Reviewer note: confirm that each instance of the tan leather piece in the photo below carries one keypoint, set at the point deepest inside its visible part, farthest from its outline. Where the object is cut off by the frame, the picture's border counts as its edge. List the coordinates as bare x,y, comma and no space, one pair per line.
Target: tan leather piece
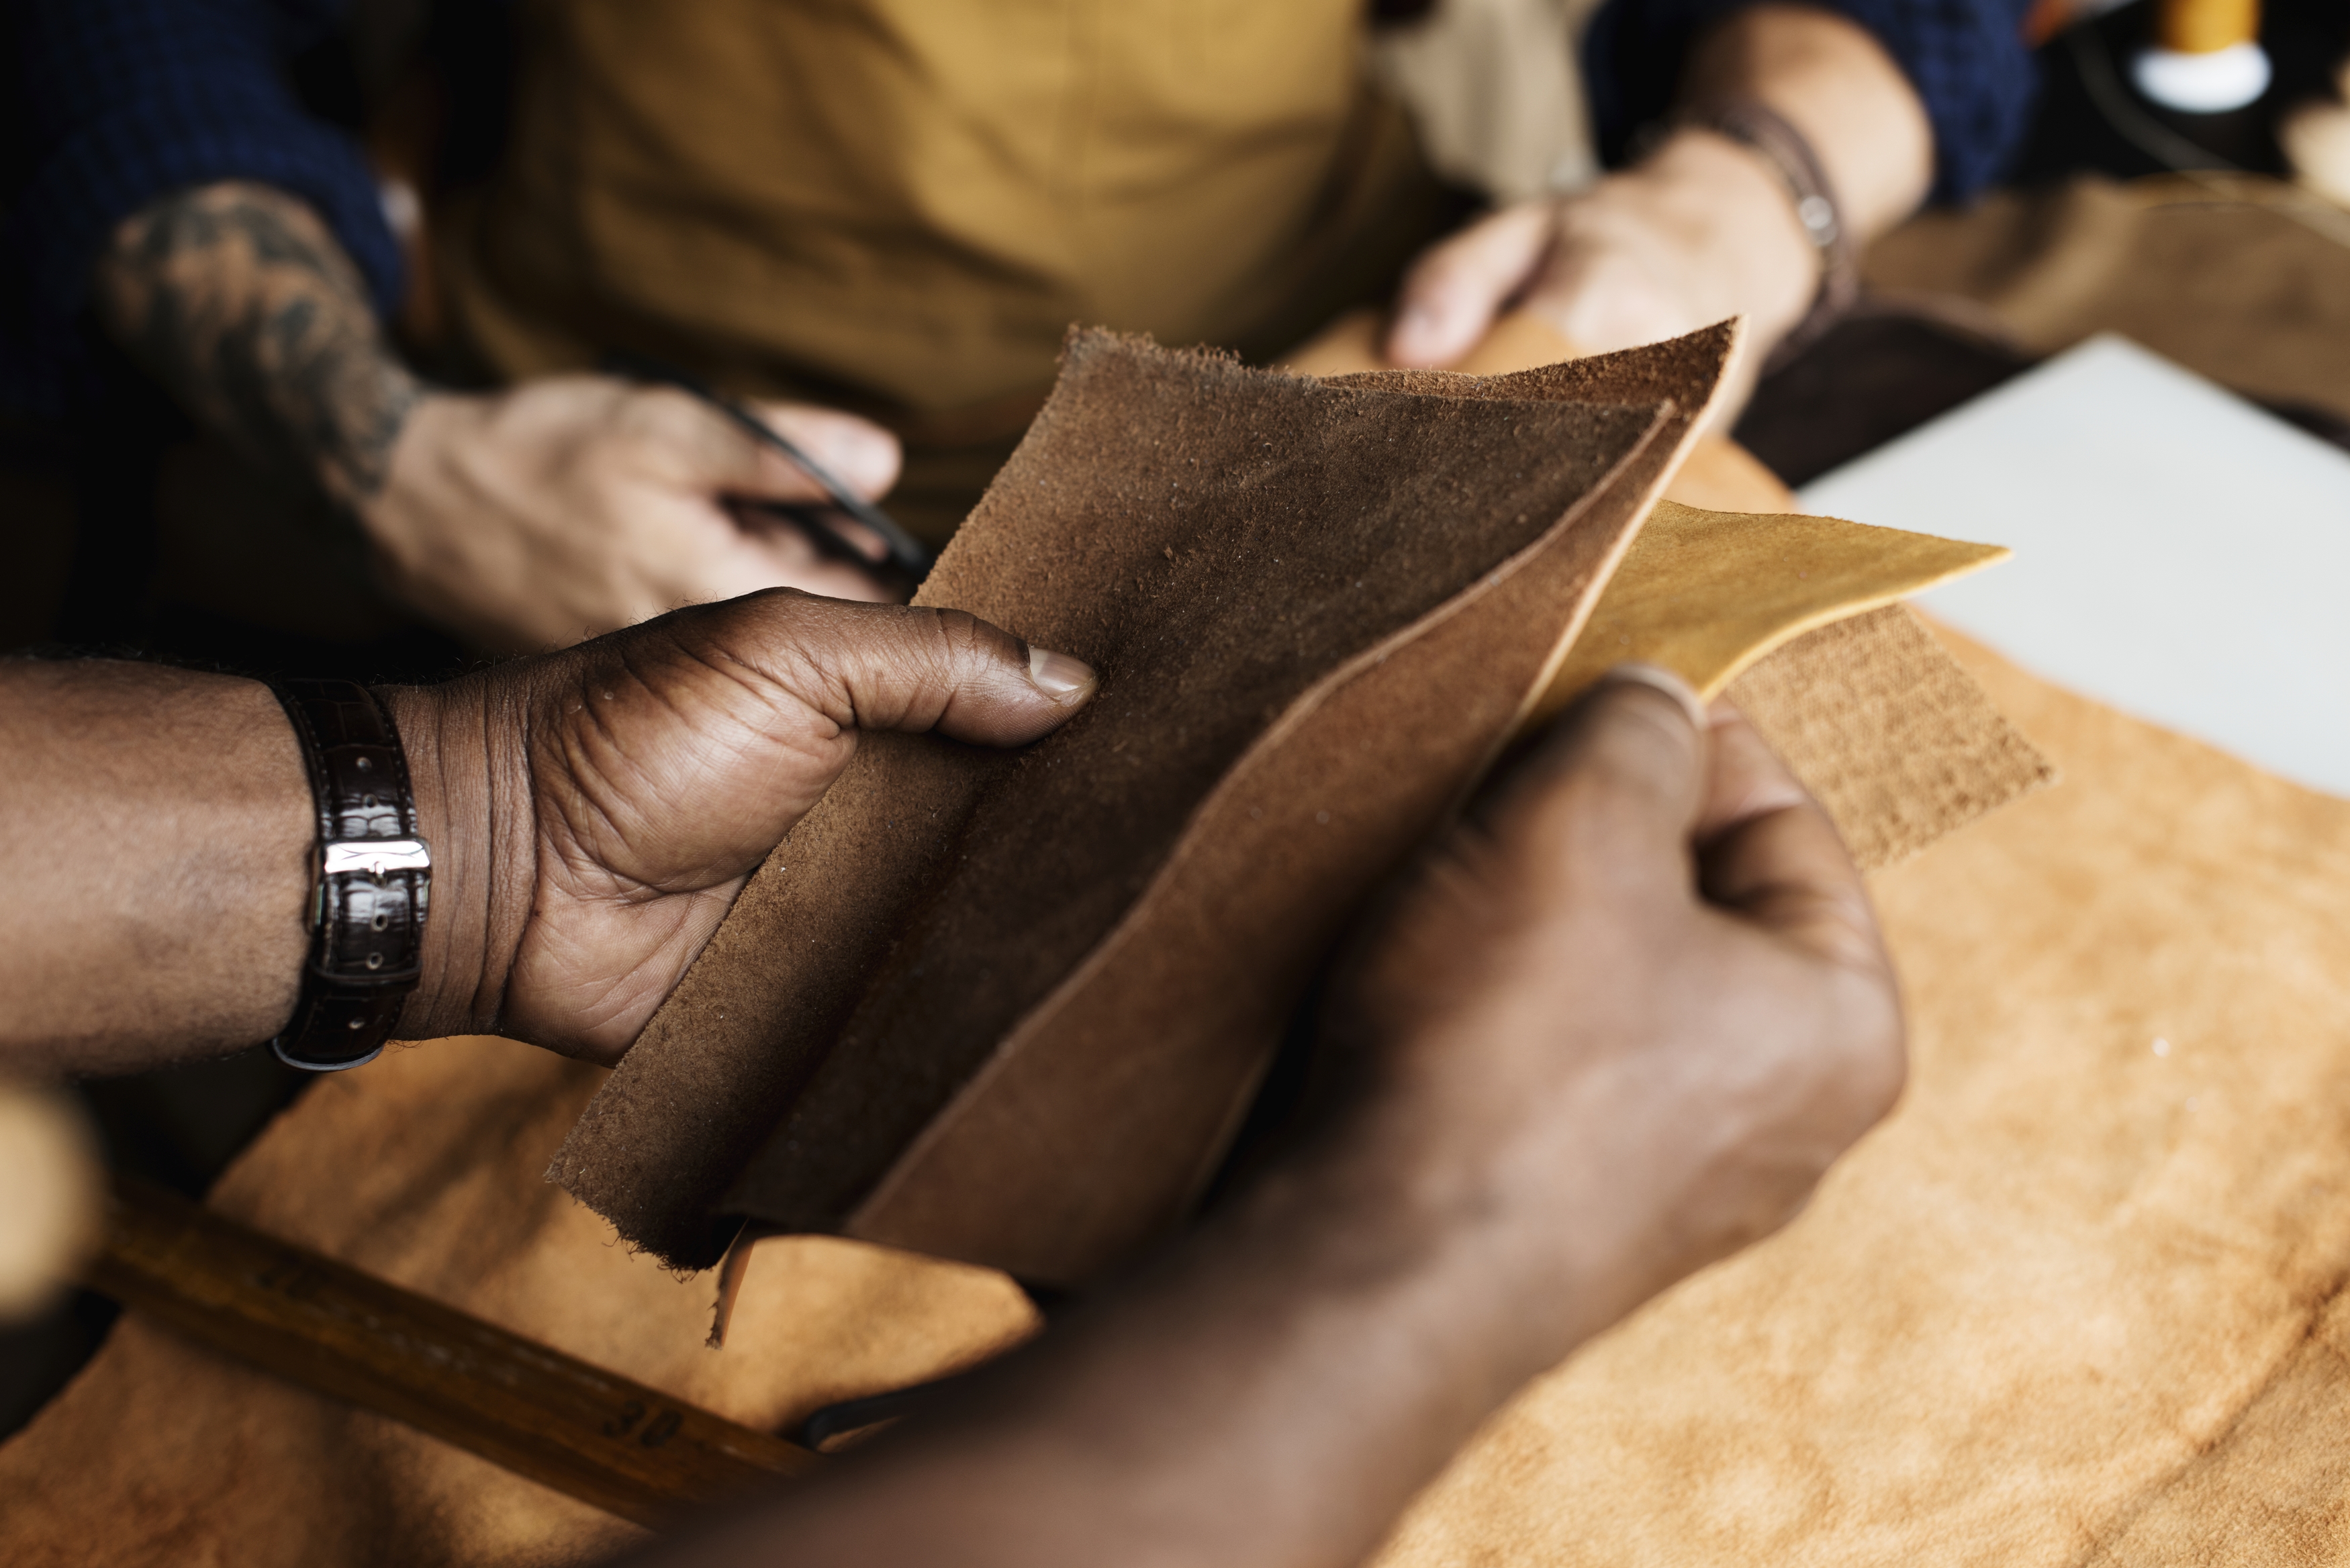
1706,594
163,1453
1262,580
2080,1300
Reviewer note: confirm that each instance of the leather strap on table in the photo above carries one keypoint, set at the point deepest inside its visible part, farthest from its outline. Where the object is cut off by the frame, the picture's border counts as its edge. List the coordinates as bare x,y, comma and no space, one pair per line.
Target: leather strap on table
629,1448
373,879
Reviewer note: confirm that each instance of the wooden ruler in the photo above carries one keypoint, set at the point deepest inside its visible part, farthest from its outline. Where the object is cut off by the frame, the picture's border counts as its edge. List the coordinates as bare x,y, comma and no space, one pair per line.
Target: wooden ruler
605,1439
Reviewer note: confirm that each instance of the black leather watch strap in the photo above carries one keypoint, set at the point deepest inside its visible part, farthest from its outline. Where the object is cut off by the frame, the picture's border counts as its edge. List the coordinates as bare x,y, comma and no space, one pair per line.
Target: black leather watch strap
372,878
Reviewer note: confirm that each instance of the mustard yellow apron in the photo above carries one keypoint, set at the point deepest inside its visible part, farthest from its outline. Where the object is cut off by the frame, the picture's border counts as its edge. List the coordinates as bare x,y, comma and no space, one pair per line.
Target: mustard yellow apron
899,206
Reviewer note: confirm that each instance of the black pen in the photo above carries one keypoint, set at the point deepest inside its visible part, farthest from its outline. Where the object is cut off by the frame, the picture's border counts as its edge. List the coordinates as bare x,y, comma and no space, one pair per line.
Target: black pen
906,552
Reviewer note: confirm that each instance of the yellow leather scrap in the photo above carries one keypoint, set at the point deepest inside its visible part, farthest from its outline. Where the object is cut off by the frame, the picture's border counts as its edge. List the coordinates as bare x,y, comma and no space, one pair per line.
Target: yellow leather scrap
1706,594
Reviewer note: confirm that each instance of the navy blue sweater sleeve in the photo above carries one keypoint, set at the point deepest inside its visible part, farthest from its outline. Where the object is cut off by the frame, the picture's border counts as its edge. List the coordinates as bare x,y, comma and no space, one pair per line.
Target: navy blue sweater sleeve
122,101
1966,58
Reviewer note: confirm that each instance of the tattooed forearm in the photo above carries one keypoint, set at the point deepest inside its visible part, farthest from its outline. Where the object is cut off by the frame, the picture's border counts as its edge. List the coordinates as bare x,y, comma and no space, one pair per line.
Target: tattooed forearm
238,299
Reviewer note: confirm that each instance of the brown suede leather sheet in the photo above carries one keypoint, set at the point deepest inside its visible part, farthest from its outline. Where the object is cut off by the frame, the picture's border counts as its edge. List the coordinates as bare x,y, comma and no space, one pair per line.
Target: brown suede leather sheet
1318,610
1011,1008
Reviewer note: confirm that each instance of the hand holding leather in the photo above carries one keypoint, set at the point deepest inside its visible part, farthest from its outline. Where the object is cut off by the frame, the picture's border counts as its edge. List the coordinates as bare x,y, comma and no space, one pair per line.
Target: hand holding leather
594,812
1620,1025
1616,1025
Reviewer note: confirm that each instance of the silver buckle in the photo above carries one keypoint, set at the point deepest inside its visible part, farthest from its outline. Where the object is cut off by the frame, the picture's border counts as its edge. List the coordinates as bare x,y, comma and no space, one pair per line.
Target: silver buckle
374,857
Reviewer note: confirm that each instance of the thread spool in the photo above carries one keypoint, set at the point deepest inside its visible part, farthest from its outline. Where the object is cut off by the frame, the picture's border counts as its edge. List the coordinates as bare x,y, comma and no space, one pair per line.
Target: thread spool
2207,57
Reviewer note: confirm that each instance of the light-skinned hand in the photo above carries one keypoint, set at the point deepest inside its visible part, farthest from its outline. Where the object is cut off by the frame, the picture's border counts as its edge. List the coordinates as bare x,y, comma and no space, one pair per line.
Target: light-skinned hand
1703,228
574,506
1698,232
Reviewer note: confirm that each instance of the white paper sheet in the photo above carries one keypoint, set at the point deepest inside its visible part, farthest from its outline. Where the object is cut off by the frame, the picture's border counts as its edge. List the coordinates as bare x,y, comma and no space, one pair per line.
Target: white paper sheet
2179,554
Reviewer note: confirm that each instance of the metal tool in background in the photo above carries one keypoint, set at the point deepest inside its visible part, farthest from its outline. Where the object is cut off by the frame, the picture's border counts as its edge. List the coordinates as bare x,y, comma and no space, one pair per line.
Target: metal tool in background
908,555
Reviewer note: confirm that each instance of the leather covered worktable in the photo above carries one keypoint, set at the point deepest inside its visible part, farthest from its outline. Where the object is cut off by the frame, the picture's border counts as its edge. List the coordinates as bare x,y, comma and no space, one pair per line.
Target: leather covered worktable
2077,1300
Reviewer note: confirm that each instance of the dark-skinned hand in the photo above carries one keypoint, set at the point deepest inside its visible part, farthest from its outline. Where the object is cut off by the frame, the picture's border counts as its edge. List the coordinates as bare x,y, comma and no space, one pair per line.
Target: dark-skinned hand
595,811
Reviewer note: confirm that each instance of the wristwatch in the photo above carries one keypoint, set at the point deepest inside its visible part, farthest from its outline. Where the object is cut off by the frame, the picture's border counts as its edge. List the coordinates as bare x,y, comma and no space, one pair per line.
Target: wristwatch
371,882
1767,132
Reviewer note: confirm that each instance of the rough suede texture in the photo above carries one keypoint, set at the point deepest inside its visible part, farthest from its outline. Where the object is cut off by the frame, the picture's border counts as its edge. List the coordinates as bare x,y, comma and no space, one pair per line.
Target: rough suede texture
1276,578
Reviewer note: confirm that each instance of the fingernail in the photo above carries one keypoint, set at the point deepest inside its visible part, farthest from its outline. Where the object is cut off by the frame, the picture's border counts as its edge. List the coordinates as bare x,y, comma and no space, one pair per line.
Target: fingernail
874,447
1665,682
870,455
1057,675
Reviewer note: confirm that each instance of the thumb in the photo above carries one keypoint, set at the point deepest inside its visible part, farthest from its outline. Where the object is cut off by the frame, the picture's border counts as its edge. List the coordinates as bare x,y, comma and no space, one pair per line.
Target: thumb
1618,786
1454,290
899,667
1590,827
